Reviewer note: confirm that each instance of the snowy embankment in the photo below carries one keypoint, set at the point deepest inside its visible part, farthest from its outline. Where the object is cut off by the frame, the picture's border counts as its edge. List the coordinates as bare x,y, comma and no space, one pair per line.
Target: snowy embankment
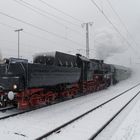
34,124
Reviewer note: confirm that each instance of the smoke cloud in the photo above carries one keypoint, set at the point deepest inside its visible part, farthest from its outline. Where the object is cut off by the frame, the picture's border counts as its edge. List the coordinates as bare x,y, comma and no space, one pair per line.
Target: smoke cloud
108,43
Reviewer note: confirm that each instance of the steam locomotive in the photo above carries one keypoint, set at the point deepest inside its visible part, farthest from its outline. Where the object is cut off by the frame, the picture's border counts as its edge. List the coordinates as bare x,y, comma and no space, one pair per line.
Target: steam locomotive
53,77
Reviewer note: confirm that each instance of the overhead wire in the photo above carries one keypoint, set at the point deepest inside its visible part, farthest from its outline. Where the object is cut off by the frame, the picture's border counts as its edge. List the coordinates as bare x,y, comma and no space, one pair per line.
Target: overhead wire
9,26
43,38
25,45
115,28
60,11
117,15
44,11
31,34
39,28
13,42
41,12
121,21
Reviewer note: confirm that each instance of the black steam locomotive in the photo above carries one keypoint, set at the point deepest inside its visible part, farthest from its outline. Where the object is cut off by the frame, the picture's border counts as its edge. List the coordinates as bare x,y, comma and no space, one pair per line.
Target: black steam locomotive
51,77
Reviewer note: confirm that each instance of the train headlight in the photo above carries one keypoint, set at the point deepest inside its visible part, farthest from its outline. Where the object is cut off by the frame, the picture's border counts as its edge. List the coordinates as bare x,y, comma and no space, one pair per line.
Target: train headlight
11,95
14,86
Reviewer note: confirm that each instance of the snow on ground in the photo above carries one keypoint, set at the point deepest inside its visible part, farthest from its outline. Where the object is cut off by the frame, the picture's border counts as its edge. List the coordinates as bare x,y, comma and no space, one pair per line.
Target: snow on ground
84,128
130,127
33,124
126,126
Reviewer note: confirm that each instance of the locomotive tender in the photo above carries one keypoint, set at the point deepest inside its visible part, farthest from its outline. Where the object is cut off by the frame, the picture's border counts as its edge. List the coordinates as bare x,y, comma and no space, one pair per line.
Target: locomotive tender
52,77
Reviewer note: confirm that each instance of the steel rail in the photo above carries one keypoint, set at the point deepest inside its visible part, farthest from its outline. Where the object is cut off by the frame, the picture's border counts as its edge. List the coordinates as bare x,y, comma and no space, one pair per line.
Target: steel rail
55,130
112,118
8,108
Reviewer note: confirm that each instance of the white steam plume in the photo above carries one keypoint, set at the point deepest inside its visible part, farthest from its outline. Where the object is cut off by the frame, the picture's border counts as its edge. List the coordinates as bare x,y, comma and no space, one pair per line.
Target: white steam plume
108,43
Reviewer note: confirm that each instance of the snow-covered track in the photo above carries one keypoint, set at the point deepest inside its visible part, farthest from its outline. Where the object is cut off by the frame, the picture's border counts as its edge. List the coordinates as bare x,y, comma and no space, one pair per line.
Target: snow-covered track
112,118
57,130
5,116
7,108
18,112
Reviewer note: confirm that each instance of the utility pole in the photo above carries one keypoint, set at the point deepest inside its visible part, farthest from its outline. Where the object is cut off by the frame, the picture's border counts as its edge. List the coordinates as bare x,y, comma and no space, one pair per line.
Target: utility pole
18,30
87,36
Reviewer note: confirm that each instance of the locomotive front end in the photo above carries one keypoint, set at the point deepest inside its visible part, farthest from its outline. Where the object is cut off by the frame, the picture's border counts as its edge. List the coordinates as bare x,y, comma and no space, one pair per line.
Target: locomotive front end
11,80
6,83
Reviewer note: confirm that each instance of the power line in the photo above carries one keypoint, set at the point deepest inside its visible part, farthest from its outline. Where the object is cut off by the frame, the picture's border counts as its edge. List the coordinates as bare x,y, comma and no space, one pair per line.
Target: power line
119,18
39,28
25,45
28,33
40,12
31,34
116,14
116,29
59,18
43,38
6,25
64,13
14,42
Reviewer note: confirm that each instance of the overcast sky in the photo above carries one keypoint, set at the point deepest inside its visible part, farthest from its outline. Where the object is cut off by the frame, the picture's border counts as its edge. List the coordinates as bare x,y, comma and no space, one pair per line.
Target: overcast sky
48,29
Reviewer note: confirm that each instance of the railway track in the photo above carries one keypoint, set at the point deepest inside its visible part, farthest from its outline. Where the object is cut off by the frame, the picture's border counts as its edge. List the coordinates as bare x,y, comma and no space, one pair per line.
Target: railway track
5,115
3,111
58,129
18,112
112,118
7,108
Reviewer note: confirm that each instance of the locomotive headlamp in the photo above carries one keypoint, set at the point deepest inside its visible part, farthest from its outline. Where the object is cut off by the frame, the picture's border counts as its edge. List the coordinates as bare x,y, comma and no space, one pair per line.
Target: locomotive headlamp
15,86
